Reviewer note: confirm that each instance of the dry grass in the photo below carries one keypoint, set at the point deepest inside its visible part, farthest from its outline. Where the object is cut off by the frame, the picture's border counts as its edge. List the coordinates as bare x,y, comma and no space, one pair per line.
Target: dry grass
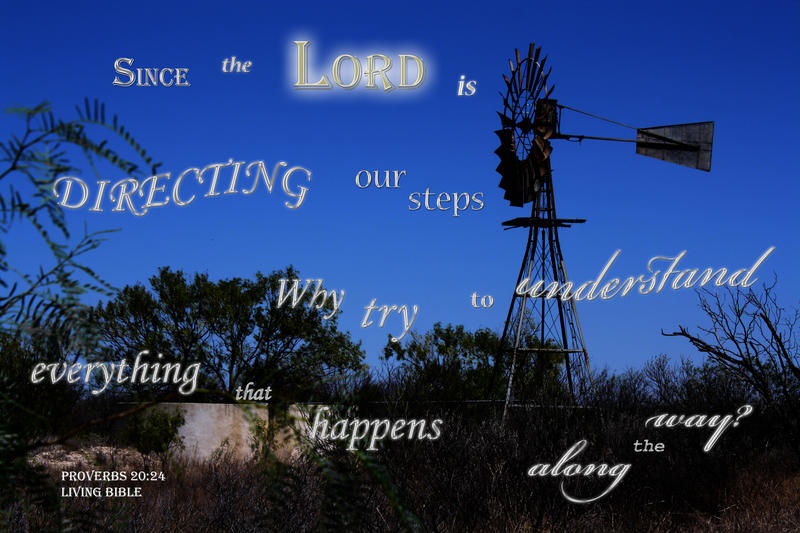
472,482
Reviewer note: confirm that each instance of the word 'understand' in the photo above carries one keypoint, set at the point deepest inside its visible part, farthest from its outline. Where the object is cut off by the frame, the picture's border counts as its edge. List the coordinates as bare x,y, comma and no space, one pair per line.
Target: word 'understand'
684,279
332,301
75,192
356,430
390,179
364,179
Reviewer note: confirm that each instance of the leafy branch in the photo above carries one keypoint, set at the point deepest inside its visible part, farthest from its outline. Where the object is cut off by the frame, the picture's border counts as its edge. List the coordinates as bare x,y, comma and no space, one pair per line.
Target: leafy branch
50,300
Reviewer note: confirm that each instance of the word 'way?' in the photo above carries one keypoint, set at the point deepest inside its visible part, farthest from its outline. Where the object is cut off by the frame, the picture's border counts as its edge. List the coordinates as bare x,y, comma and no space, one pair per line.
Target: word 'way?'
720,423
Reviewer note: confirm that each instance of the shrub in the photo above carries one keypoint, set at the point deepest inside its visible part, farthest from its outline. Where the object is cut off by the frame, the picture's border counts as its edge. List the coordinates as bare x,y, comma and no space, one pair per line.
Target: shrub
155,430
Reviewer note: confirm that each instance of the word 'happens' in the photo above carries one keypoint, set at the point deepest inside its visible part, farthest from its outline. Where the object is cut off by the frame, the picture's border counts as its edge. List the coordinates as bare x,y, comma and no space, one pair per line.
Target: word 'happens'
655,281
347,71
356,430
154,188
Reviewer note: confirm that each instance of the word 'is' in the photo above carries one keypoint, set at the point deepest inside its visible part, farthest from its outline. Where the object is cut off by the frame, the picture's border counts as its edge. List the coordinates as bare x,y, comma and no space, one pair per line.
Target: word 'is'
154,188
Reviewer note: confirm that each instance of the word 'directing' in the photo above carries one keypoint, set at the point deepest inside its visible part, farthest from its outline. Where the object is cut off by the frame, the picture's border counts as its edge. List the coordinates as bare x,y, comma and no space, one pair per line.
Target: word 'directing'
220,178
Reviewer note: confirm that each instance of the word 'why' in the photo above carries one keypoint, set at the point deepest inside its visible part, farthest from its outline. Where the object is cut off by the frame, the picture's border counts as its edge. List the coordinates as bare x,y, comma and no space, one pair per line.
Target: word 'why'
319,299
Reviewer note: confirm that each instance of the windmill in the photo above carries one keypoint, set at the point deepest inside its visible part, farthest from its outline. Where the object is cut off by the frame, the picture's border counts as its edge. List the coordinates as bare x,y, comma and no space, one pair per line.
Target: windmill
547,326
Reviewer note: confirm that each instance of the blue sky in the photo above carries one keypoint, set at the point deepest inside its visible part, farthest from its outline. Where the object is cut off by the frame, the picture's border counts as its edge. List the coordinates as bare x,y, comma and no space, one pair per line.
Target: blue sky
641,63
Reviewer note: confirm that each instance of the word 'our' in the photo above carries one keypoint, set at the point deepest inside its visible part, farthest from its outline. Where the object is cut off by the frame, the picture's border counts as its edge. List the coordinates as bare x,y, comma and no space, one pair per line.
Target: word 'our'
124,191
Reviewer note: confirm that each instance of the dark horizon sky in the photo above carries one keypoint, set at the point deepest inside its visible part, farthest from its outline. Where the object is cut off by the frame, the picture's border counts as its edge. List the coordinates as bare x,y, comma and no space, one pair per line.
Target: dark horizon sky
639,63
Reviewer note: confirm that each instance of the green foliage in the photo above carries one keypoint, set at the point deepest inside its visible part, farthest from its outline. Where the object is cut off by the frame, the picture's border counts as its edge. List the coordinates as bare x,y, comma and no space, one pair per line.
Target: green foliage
448,363
41,313
154,431
48,302
234,327
30,410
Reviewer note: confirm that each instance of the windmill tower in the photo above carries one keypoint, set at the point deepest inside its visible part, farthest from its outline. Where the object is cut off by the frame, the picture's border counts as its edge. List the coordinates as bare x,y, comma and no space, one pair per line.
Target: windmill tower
546,328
